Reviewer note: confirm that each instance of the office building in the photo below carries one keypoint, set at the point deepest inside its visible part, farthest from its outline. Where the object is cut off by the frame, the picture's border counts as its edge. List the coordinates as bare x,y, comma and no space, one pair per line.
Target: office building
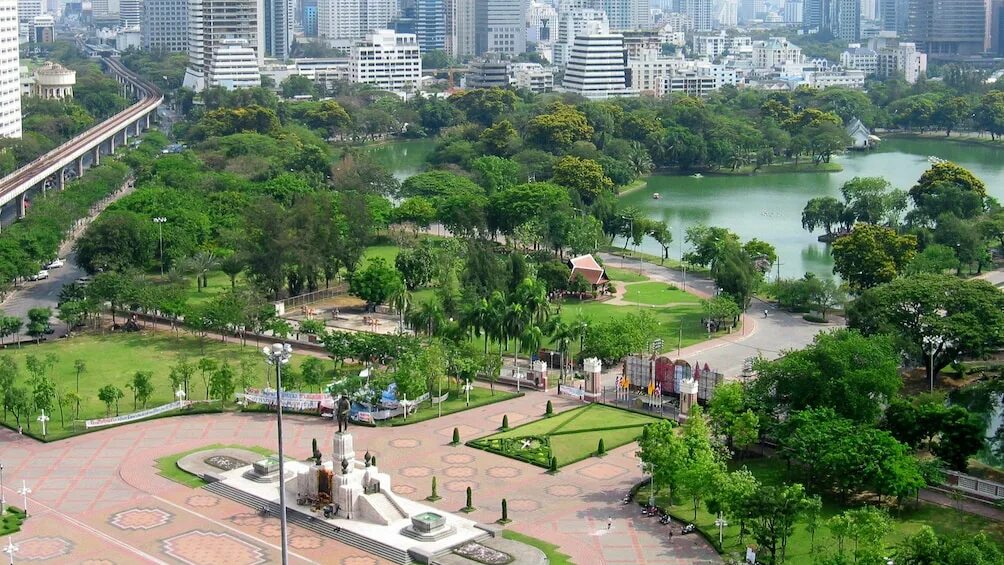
869,10
995,29
894,15
750,10
814,13
499,27
541,21
699,79
459,29
575,22
353,19
626,15
490,71
233,65
897,58
649,68
130,13
43,29
726,13
308,17
717,45
700,13
597,67
99,8
388,61
843,19
10,71
27,11
775,52
532,77
165,25
792,14
430,24
859,58
947,27
277,28
210,22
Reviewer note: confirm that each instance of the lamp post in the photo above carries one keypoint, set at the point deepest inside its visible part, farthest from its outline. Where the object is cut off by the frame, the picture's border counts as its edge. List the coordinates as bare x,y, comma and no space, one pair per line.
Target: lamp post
278,355
10,549
43,419
720,523
160,220
24,491
933,344
1,490
467,393
180,395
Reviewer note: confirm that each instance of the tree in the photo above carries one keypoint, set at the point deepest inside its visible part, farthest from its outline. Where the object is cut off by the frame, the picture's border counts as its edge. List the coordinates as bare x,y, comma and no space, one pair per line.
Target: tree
142,388
38,322
664,453
584,176
703,467
870,255
722,310
773,511
947,188
560,128
706,243
417,211
110,394
501,139
117,241
844,370
221,383
865,527
734,272
313,371
961,436
824,211
416,266
297,85
113,288
10,325
928,548
934,259
661,233
375,283
181,375
206,367
941,316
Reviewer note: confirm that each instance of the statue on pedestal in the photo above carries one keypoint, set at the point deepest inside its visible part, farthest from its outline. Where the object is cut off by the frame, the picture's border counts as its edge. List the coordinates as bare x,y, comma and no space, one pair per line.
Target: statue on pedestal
342,413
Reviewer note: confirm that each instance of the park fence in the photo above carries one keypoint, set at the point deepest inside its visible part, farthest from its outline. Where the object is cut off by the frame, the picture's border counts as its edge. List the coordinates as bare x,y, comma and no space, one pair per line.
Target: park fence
316,296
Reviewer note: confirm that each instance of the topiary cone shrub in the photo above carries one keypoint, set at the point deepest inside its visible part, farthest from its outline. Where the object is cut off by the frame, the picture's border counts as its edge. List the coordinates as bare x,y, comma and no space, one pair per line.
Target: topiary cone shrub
456,437
601,449
505,422
505,513
554,466
470,505
549,410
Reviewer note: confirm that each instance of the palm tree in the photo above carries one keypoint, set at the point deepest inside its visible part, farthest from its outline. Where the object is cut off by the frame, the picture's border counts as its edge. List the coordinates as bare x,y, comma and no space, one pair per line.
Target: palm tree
532,295
516,320
579,328
476,319
531,339
428,316
200,265
400,300
562,333
496,318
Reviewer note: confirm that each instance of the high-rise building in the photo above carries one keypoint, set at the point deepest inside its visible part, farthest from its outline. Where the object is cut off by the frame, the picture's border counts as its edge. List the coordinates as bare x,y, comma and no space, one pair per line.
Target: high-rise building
308,19
541,20
726,13
626,14
130,12
700,12
499,27
99,8
233,65
573,23
277,27
165,25
43,29
460,29
27,11
353,19
597,67
996,28
10,71
947,27
869,10
793,12
387,60
814,13
894,15
210,22
844,19
430,24
750,10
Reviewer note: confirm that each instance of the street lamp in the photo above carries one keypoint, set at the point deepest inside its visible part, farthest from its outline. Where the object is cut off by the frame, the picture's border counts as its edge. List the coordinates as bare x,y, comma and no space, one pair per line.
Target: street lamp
278,355
467,392
720,523
180,395
933,344
24,491
43,419
10,549
1,490
650,469
160,221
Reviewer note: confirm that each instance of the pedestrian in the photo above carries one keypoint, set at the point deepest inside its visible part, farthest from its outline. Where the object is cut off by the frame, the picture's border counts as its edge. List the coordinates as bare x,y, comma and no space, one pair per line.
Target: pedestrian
610,522
20,431
765,313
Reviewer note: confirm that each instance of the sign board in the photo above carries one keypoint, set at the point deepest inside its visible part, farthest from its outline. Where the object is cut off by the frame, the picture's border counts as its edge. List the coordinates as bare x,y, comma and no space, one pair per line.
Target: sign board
572,391
99,422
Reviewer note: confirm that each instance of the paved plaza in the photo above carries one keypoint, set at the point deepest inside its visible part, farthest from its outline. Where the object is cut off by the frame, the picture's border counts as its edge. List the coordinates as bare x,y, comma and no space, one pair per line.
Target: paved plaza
97,499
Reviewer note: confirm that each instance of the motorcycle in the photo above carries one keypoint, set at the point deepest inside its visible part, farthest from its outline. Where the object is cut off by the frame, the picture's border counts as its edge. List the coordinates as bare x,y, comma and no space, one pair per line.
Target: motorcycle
688,529
666,519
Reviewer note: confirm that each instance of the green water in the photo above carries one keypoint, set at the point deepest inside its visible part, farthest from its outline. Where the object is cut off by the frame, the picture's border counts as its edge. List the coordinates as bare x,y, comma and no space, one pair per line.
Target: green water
404,158
769,206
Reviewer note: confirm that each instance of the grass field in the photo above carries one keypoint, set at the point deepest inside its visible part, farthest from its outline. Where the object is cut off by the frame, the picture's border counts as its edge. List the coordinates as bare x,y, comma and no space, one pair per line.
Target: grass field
670,319
624,275
658,293
11,520
113,358
167,467
801,549
554,557
573,435
457,402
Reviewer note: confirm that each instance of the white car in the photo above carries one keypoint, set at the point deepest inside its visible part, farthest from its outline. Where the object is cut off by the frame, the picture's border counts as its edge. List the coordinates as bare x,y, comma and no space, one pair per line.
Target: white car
55,264
43,274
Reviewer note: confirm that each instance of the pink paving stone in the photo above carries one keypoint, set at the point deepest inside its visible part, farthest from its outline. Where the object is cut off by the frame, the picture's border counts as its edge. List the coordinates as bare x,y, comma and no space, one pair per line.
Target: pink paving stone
97,562
461,486
458,458
270,530
416,472
247,519
503,472
305,542
210,548
405,443
403,489
359,560
202,501
459,472
523,505
564,491
464,430
602,471
42,548
514,417
140,519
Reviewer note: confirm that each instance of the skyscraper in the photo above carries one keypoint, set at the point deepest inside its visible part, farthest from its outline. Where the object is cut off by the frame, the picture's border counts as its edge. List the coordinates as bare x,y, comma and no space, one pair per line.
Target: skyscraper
277,26
130,12
10,72
894,15
700,12
597,67
165,25
844,19
210,22
814,13
575,22
308,19
499,26
460,29
430,24
353,19
947,27
626,14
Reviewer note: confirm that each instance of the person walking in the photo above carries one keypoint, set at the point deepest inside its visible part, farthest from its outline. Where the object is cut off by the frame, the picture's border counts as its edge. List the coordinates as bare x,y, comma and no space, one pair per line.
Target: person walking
610,522
765,313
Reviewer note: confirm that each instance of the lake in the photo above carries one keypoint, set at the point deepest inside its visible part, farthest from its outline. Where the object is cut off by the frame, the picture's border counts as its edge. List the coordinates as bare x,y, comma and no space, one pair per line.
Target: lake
766,206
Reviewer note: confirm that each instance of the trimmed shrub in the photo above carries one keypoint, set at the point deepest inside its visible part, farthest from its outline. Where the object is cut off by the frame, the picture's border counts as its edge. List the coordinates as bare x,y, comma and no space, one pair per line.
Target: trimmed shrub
456,436
600,448
549,410
505,422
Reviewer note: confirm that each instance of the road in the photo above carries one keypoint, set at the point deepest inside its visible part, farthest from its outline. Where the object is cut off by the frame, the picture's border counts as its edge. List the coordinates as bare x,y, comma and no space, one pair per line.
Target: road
770,336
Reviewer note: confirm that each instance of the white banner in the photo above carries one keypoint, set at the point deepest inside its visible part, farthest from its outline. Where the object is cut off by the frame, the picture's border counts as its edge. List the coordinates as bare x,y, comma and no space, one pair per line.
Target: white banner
290,403
135,415
572,391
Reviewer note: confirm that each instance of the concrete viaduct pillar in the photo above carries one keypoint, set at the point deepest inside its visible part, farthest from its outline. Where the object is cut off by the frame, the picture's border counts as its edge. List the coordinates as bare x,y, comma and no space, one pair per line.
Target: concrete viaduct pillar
125,136
97,156
21,207
61,183
80,166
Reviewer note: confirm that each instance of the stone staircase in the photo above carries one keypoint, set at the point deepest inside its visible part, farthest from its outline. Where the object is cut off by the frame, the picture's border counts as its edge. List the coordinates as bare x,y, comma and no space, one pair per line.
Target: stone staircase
379,508
293,516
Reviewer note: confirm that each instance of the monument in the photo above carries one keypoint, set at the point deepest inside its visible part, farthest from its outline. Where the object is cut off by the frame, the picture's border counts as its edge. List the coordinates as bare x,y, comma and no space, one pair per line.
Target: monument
342,413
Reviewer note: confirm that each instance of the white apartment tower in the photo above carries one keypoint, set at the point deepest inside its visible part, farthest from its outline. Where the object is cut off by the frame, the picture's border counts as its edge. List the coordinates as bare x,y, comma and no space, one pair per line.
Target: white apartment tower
573,23
10,71
387,60
165,25
234,65
27,11
700,12
277,27
210,22
499,27
596,68
626,14
353,19
459,29
130,12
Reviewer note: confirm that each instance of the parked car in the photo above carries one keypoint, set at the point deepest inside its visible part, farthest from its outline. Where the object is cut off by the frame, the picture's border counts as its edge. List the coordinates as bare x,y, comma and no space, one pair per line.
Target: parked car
84,280
55,264
43,274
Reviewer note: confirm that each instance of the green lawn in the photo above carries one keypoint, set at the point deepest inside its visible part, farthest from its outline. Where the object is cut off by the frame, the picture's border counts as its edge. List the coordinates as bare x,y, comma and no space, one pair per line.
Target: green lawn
554,557
457,402
386,252
658,293
670,319
573,434
801,549
217,282
113,358
624,275
11,520
167,467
